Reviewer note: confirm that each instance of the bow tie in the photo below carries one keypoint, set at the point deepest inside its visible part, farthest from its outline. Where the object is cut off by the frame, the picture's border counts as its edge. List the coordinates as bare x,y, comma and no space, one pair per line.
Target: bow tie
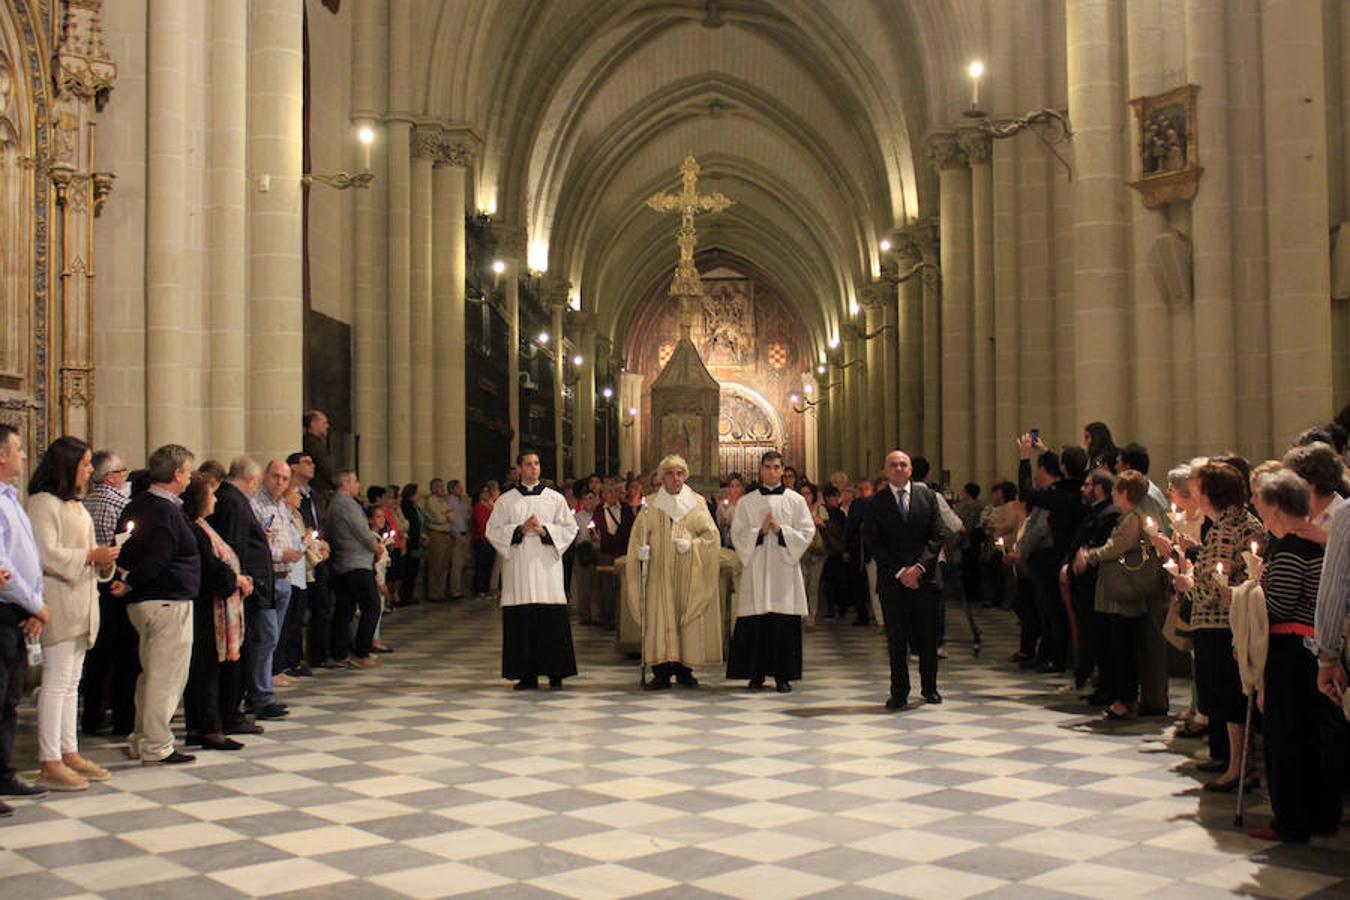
531,492
769,492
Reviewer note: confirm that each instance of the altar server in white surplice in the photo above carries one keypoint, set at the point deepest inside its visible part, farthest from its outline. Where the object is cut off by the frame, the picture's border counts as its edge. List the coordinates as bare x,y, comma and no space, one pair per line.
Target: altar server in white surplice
531,527
771,530
682,613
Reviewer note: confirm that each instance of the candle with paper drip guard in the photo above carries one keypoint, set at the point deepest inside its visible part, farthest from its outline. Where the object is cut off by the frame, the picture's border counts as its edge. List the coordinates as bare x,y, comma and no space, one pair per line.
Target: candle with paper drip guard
1220,576
123,536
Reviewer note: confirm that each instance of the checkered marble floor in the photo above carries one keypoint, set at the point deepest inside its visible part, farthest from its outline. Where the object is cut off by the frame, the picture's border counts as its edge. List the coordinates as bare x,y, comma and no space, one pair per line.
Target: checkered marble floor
429,777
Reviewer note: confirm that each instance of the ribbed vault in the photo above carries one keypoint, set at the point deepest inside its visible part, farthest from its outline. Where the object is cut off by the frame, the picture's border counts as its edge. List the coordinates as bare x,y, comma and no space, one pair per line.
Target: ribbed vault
806,113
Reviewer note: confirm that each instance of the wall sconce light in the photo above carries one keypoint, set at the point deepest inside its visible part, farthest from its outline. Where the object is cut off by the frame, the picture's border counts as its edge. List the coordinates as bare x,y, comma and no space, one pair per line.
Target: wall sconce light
607,393
1051,126
344,180
629,420
542,337
498,267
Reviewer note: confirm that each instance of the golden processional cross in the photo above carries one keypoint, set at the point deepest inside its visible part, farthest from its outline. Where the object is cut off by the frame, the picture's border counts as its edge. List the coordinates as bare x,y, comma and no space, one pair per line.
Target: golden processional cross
686,284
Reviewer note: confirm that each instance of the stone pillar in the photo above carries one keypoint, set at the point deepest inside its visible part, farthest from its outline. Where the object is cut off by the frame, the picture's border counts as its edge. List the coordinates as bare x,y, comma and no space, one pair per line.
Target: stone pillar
276,312
925,235
958,433
832,392
426,149
1152,386
630,428
554,291
911,339
1101,279
447,262
174,369
1296,183
855,407
399,400
977,147
511,247
1215,369
890,363
1007,229
584,411
813,468
227,225
370,277
878,302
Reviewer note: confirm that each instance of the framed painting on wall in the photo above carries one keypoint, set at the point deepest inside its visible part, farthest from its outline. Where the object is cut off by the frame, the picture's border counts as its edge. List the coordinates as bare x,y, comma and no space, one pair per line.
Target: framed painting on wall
1168,146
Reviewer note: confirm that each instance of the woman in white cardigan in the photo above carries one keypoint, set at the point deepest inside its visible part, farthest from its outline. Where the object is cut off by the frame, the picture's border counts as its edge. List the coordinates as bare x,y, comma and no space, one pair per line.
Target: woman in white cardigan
72,564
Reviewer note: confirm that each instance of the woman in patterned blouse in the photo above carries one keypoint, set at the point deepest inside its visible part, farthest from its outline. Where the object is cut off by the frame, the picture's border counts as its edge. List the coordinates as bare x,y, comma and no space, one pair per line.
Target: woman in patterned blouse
1221,491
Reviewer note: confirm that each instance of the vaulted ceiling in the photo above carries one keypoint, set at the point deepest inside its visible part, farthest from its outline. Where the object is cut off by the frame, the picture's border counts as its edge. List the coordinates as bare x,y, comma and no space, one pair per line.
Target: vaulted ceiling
809,114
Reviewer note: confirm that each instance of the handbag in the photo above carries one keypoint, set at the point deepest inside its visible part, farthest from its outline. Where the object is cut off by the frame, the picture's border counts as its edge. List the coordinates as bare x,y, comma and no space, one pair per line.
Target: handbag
1176,628
1125,586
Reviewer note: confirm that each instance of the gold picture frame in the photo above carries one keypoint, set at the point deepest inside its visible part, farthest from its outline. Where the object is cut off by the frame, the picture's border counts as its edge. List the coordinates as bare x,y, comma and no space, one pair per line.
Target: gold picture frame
1167,146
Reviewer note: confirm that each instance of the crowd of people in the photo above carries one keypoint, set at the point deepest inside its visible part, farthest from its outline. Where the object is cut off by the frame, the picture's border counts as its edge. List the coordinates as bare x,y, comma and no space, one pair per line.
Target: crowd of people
219,586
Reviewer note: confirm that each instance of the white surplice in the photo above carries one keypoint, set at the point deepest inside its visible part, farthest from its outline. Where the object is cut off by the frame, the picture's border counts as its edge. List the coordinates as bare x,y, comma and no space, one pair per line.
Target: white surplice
771,577
532,570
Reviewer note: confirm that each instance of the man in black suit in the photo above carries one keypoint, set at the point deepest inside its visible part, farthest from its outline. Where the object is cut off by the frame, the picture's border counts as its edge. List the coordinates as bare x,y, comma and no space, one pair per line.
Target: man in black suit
237,526
904,534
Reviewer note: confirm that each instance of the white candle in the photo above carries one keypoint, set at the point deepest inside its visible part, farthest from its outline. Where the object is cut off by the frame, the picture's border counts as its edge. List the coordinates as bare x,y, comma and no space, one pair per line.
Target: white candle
122,537
1171,566
1149,523
1255,548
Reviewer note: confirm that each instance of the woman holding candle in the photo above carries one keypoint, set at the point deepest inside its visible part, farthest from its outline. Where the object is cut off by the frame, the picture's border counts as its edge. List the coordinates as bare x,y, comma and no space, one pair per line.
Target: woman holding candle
1305,732
72,565
1119,599
217,625
1220,490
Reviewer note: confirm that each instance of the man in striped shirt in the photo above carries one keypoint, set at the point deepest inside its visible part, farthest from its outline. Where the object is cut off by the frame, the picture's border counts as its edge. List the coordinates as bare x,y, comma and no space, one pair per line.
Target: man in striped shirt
112,664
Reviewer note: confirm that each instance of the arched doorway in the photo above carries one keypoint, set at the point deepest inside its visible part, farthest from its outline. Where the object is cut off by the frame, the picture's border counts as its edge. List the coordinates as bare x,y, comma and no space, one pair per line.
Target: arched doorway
747,428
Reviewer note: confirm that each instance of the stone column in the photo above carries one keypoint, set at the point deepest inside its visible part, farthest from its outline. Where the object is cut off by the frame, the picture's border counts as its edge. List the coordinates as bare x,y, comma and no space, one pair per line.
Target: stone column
227,224
911,339
836,413
1296,183
511,247
447,262
855,407
958,434
584,411
977,147
399,400
630,428
276,312
426,149
174,369
925,235
1215,369
554,291
1007,229
878,302
370,278
1101,279
890,363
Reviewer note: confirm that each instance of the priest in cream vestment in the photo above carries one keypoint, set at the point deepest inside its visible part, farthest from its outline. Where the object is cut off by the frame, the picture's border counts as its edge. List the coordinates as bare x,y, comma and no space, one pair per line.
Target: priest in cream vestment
681,614
531,526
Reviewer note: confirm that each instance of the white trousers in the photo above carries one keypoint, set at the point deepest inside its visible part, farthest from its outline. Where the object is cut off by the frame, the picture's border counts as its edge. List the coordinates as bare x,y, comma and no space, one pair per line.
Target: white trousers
165,628
59,700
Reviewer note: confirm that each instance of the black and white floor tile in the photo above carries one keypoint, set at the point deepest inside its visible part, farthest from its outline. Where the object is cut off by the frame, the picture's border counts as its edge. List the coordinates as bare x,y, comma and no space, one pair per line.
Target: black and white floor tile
429,777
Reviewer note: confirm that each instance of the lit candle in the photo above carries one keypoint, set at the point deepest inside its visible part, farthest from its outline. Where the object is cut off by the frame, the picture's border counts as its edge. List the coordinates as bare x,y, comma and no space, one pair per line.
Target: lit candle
1149,523
1171,566
366,136
975,70
123,537
1255,548
999,543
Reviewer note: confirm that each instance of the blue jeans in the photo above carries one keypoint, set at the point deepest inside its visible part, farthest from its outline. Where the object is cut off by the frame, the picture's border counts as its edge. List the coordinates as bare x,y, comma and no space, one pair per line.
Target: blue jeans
266,625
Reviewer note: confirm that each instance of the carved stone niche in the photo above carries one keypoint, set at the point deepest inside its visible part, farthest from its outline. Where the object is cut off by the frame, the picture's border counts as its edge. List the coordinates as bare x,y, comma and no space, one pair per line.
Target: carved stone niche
1168,149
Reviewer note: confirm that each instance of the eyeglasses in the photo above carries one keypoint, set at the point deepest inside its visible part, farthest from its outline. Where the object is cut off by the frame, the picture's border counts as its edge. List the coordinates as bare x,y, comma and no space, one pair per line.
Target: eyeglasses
121,471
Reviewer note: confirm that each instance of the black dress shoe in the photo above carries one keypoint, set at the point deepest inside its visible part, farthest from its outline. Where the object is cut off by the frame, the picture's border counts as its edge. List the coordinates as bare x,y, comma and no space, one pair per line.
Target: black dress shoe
894,702
1213,765
272,711
173,759
756,683
301,671
526,684
192,740
244,728
932,697
6,810
16,788
657,684
783,687
226,744
687,680
555,684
